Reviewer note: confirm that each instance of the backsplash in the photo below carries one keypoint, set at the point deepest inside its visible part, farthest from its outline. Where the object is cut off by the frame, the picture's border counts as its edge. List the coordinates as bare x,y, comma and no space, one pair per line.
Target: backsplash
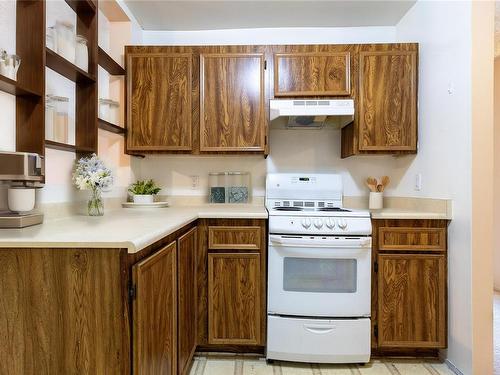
291,151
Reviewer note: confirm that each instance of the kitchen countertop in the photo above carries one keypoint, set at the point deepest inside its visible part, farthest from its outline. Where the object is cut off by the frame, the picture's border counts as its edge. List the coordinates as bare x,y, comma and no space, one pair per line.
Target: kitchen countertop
133,229
398,213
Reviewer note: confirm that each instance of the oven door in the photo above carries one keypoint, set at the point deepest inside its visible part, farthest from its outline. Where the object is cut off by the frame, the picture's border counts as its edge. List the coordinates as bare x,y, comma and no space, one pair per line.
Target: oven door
322,276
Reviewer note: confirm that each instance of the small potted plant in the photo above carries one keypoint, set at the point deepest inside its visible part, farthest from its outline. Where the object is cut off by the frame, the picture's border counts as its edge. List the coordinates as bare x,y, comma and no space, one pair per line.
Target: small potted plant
144,191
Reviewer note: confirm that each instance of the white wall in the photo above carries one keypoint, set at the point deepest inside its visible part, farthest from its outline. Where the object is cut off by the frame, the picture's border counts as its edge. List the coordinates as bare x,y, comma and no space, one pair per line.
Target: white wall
445,133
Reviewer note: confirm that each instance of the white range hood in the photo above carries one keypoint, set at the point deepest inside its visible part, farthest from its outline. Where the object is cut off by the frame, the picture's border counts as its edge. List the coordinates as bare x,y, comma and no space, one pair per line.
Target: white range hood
310,113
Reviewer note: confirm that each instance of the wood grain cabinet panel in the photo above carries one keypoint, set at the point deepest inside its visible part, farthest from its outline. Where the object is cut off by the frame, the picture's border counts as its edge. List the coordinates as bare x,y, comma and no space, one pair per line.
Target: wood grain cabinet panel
388,101
417,239
155,313
412,301
234,298
312,74
159,101
187,295
226,238
232,109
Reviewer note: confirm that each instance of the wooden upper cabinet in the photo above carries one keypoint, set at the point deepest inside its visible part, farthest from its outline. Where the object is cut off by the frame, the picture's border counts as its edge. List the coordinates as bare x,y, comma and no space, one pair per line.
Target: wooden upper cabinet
187,293
232,108
412,300
234,299
312,74
387,101
155,313
159,87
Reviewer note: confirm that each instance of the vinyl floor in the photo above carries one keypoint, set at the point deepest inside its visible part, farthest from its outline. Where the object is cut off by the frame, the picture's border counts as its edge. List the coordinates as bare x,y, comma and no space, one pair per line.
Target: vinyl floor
248,365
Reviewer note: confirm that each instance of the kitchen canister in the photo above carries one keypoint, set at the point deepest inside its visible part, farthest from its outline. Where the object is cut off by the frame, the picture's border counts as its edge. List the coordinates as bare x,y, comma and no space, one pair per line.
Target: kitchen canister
61,119
66,40
21,199
50,114
376,200
81,53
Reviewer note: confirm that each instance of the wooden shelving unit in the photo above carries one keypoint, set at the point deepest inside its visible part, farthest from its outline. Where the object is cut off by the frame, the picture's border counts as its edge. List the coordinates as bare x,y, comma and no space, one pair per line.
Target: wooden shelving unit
108,126
29,88
65,68
12,87
109,64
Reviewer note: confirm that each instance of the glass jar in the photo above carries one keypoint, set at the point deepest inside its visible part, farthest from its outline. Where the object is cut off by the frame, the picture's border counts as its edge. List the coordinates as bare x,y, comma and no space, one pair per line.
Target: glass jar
61,119
82,53
238,187
50,114
66,40
104,109
114,112
217,187
51,38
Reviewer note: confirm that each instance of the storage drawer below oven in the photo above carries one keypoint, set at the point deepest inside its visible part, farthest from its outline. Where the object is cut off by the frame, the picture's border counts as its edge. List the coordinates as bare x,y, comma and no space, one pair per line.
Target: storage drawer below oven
318,340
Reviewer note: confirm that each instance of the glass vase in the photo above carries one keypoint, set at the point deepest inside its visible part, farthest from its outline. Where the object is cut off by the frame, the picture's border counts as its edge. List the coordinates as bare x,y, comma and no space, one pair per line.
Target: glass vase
95,205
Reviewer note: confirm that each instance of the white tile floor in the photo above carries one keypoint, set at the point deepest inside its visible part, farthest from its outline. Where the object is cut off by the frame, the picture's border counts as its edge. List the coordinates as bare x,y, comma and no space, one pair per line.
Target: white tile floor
248,365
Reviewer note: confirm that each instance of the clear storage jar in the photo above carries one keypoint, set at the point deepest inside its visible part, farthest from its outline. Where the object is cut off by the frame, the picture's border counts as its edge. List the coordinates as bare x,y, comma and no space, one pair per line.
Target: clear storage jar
104,108
66,40
50,114
82,53
238,187
51,38
61,119
217,187
114,112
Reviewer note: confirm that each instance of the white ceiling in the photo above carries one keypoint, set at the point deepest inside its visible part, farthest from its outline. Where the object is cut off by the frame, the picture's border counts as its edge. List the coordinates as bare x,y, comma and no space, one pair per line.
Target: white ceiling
237,14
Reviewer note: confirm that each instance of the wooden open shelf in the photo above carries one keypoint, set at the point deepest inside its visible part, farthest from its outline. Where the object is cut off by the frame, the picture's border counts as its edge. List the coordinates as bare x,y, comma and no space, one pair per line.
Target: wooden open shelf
108,126
82,6
109,64
60,146
67,147
12,87
65,68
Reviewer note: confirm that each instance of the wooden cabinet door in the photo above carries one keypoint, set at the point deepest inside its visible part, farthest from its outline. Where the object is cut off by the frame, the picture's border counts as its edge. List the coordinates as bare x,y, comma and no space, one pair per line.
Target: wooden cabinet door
412,300
388,101
155,313
232,109
312,74
159,101
234,299
187,293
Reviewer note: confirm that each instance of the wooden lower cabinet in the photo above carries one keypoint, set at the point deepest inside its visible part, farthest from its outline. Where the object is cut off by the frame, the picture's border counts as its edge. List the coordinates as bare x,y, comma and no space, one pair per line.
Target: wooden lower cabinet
412,300
409,286
234,298
155,313
187,295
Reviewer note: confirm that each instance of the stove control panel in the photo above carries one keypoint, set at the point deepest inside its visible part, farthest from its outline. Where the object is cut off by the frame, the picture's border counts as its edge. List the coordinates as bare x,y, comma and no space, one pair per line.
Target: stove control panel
320,225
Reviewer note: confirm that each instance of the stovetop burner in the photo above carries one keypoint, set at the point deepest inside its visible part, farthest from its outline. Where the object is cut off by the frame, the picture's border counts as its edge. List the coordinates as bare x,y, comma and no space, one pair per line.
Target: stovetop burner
288,208
333,209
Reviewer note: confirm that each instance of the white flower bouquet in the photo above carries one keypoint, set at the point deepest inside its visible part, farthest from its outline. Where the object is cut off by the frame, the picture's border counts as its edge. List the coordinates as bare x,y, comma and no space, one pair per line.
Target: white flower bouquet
90,173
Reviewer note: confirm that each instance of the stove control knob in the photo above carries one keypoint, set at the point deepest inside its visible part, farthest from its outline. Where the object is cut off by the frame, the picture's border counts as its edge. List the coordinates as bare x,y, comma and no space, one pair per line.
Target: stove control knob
342,224
318,223
306,223
330,223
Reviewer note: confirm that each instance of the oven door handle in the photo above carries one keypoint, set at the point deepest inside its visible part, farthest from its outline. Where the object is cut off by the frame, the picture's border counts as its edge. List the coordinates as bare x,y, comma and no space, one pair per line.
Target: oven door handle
287,241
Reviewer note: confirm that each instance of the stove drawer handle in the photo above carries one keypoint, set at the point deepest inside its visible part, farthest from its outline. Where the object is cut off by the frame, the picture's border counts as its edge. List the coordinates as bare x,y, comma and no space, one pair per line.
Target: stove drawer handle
319,329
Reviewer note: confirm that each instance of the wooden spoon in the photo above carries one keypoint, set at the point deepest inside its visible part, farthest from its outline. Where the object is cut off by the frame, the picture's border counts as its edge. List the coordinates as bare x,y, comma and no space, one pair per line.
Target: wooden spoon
385,181
372,183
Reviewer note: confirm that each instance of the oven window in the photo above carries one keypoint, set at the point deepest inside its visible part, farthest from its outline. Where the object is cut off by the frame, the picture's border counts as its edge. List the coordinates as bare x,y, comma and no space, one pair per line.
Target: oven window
320,275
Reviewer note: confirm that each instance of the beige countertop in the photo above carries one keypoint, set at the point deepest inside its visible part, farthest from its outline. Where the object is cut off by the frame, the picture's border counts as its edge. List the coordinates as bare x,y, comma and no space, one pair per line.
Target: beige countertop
132,228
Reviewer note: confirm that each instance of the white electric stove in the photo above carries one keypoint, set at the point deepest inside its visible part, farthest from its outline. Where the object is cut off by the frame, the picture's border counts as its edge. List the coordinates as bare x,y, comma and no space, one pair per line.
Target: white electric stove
319,279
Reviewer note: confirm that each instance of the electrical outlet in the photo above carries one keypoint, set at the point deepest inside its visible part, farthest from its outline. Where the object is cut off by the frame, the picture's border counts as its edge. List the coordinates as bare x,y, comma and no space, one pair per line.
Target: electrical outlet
418,181
195,182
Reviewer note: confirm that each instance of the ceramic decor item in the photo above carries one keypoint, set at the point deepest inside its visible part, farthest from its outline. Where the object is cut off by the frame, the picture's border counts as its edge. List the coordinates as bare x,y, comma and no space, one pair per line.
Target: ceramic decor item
238,194
376,200
217,194
21,199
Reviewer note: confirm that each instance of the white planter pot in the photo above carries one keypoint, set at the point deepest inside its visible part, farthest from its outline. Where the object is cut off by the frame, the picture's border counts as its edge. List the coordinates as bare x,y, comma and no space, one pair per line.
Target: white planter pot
21,199
376,201
143,198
